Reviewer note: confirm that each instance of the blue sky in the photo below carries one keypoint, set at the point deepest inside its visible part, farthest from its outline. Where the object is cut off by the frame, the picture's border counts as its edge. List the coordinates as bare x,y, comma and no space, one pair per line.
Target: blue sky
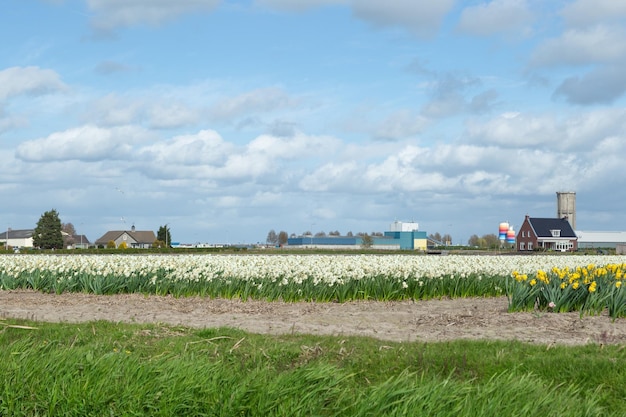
225,119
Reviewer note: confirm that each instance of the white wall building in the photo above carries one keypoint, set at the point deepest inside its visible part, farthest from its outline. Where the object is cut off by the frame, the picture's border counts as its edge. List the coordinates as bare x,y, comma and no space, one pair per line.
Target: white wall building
398,226
17,238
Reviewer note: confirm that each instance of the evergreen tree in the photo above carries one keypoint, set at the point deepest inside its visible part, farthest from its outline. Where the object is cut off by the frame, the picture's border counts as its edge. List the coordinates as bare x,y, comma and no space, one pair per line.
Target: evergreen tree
47,234
164,235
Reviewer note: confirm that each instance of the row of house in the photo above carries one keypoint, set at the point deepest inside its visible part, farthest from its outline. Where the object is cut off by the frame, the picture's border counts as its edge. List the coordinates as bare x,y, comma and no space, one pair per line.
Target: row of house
133,238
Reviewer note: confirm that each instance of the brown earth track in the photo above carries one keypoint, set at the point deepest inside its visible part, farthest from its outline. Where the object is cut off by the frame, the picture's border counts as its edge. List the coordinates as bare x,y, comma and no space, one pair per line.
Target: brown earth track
426,321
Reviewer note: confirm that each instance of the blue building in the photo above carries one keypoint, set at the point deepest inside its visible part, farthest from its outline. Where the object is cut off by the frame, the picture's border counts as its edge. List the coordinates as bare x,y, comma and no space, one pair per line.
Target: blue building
403,236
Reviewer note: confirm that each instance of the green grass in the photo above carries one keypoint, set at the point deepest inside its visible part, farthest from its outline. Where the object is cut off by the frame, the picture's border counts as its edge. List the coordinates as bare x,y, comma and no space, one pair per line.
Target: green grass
102,368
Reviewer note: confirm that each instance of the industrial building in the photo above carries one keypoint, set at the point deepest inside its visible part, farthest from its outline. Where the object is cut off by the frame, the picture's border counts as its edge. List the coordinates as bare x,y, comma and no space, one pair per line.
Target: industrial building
596,239
401,236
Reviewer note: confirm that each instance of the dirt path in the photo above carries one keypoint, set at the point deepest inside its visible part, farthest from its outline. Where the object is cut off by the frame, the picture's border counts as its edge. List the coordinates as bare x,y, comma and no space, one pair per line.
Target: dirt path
435,320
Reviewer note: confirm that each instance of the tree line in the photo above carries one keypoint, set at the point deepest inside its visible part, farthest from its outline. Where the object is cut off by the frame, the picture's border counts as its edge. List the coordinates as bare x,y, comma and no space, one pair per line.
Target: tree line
489,241
281,237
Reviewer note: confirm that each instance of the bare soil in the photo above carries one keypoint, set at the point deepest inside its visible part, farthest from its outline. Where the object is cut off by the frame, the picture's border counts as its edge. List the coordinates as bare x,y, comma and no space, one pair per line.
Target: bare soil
407,321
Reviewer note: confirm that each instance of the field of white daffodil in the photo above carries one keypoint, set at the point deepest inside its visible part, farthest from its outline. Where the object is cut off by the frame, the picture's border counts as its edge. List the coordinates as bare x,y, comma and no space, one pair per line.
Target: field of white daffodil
545,282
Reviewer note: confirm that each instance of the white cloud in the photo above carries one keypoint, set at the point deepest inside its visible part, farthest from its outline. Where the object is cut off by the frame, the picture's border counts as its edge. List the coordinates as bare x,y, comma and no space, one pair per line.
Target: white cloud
513,16
86,143
400,124
449,97
111,67
528,131
528,156
297,146
602,48
333,176
298,5
603,85
421,17
599,44
515,130
591,12
165,116
116,110
113,110
256,101
445,105
110,14
8,122
207,156
203,148
17,81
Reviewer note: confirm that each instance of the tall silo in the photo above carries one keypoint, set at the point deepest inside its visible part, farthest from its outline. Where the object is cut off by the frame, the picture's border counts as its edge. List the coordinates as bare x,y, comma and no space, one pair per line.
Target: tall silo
566,206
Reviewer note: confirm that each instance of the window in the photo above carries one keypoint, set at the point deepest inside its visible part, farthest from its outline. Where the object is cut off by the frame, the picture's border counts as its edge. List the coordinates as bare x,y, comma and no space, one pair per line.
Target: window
521,246
530,245
555,233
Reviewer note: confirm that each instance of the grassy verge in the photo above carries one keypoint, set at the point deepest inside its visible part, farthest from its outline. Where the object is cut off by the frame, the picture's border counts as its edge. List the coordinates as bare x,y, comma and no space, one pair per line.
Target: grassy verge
103,368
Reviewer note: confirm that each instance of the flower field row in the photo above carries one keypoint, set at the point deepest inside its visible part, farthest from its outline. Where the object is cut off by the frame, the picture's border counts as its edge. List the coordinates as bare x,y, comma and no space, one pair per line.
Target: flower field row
293,277
589,289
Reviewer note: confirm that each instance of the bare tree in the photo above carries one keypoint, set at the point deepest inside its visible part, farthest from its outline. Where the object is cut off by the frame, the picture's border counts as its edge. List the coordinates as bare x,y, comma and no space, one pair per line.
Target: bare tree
272,237
473,240
366,241
435,236
68,228
491,240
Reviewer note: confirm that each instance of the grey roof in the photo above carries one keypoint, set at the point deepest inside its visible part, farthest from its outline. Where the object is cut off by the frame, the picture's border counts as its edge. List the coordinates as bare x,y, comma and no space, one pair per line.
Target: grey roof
140,236
79,239
18,234
543,227
604,237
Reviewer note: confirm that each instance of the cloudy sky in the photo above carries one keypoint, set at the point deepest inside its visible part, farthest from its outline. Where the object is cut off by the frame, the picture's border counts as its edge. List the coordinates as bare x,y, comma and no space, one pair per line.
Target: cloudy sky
227,118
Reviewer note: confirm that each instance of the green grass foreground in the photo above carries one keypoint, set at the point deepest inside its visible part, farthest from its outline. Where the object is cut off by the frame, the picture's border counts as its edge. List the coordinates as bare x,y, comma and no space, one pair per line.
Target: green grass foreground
101,368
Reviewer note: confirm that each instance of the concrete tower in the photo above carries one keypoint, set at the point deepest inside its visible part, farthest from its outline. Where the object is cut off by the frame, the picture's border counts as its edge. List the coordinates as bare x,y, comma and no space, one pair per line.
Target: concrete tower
566,206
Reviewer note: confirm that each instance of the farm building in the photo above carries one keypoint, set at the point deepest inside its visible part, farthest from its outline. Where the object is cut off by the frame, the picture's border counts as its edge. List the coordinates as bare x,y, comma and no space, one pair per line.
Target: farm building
546,234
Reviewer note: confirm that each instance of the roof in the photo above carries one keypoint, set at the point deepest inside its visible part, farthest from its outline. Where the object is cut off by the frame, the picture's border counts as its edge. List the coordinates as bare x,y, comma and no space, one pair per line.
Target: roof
18,234
79,239
604,237
140,236
543,227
